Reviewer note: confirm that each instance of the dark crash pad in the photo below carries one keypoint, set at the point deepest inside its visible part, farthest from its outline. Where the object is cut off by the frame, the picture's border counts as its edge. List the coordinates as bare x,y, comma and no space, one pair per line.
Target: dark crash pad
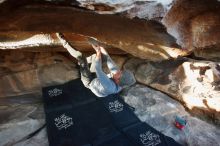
76,117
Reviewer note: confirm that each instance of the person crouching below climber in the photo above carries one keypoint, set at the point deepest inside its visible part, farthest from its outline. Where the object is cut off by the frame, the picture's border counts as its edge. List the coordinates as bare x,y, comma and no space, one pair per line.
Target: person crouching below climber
102,85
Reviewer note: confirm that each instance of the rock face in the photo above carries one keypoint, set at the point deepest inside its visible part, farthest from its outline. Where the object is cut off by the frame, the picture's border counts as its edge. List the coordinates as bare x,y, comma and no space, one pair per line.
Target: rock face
132,8
194,83
27,72
38,42
18,121
147,10
159,110
145,39
195,25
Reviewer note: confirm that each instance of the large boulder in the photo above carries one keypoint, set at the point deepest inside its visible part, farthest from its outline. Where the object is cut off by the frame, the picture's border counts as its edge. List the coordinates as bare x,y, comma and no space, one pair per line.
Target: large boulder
18,120
130,8
27,72
195,25
144,39
196,84
48,42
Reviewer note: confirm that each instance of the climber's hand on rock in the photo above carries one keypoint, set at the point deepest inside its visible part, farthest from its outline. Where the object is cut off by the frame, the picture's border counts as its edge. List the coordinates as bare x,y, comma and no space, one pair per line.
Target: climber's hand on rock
103,51
99,54
60,36
96,48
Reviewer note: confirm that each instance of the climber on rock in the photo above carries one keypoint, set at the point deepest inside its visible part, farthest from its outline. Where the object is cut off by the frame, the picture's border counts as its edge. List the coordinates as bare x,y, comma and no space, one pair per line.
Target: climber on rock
101,84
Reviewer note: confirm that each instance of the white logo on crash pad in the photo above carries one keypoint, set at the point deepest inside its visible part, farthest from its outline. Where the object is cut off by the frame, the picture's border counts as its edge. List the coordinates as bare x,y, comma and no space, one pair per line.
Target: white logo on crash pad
115,106
150,139
55,92
63,121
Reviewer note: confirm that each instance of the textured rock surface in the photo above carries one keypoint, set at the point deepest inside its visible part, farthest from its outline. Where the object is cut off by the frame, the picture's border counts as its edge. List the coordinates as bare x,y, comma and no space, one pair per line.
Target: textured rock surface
18,121
107,6
132,8
145,39
209,53
159,110
195,25
147,10
194,83
38,42
29,72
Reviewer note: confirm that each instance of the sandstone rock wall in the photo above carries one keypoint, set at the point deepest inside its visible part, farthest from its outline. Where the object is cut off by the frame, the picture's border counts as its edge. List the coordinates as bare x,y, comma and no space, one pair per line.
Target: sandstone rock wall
48,42
196,84
144,39
195,24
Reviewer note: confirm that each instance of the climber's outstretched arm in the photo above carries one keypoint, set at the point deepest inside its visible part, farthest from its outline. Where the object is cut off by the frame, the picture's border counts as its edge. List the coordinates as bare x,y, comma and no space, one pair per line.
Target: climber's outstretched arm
113,68
76,54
